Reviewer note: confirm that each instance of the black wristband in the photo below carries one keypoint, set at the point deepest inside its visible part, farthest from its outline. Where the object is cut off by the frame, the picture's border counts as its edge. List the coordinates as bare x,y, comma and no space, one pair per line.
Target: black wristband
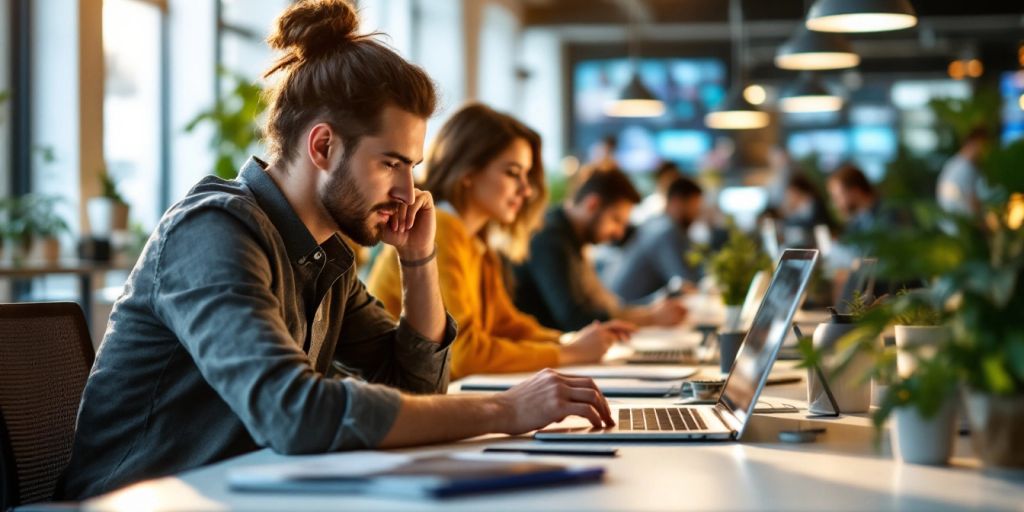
420,262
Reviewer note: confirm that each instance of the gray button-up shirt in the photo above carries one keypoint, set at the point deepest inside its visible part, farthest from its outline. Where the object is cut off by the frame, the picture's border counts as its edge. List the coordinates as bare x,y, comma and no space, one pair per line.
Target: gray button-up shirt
233,333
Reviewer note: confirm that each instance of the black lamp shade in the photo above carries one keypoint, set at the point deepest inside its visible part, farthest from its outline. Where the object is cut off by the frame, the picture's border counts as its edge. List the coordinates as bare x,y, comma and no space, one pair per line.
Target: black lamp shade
809,95
636,100
812,50
860,15
736,114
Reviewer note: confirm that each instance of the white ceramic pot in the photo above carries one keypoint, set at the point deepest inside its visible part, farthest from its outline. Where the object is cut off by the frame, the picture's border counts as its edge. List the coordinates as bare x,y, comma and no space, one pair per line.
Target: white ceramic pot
919,440
101,216
851,391
920,339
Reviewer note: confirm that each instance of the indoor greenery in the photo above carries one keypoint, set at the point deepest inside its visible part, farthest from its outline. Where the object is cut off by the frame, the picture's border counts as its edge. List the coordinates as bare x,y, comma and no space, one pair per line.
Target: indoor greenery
109,186
975,267
734,266
31,216
935,377
236,131
957,117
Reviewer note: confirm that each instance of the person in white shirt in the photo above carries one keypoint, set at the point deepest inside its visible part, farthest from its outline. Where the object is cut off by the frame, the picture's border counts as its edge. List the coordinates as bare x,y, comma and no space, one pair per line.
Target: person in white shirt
961,187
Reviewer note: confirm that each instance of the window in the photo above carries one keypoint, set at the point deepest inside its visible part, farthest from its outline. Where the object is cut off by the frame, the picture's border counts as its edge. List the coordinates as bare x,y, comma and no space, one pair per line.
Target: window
245,25
132,104
690,87
5,98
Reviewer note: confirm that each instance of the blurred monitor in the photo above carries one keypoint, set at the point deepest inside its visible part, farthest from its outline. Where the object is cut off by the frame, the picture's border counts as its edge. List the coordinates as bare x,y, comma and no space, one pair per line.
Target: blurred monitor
743,204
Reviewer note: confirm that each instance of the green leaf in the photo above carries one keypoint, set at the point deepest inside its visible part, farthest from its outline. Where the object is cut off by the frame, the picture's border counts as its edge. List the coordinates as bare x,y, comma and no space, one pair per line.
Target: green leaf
997,378
225,167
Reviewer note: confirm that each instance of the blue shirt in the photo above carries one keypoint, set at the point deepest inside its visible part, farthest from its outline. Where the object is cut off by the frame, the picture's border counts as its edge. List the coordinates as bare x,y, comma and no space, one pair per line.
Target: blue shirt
656,254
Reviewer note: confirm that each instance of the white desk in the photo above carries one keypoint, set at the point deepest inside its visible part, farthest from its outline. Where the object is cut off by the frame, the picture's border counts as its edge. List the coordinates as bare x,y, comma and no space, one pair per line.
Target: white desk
841,471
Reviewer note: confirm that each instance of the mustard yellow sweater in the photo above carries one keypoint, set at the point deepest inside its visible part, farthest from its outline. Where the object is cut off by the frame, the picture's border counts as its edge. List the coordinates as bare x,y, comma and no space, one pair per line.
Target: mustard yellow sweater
493,335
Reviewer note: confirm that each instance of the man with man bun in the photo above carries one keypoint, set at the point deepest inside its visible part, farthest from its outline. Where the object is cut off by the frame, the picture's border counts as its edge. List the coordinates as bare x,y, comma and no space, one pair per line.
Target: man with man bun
243,324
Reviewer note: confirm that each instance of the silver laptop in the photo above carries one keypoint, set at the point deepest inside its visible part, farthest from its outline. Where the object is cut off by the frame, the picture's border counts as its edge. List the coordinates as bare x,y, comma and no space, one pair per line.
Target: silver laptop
727,418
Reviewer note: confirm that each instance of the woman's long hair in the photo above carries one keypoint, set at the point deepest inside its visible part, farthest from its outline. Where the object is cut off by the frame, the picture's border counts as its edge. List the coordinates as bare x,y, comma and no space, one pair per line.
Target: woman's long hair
471,139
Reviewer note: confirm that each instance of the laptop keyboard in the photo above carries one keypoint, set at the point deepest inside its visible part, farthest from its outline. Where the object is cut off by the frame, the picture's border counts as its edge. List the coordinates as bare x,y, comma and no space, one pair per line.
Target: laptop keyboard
661,419
675,356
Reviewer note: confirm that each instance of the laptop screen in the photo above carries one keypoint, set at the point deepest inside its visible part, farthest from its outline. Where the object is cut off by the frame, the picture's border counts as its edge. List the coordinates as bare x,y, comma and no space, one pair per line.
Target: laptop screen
767,332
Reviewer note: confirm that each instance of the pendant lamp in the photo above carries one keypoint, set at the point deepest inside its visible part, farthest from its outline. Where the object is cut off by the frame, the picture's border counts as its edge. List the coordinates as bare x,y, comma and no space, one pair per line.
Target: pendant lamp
737,113
860,15
809,95
810,50
636,99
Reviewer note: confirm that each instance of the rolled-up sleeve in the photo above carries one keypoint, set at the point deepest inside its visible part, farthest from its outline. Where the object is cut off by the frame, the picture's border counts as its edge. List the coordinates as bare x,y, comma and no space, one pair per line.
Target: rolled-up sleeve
219,303
397,355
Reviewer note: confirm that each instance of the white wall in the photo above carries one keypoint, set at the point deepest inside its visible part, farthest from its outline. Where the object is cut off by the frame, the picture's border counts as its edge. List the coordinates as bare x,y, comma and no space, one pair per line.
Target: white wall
540,102
497,58
438,46
191,39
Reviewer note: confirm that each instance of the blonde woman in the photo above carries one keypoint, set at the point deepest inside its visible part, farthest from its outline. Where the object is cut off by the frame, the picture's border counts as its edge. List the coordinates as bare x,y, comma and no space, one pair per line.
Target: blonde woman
485,174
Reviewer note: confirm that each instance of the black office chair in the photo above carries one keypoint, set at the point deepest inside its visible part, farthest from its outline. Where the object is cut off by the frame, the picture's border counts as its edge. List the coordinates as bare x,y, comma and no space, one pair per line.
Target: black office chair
45,358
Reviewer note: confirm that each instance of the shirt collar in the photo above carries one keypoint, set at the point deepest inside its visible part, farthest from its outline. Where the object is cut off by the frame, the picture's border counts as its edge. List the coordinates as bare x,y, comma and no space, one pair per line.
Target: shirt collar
298,241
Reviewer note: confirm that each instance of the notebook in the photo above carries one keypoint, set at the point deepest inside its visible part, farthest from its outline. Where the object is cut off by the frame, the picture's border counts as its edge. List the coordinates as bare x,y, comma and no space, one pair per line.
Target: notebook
406,476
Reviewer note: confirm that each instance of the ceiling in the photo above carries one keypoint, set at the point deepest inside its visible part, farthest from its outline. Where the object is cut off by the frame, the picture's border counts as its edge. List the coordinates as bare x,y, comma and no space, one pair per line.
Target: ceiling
988,29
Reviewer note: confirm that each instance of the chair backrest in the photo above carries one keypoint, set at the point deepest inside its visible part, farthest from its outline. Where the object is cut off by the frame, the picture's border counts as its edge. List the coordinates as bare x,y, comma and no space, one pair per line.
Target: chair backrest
45,359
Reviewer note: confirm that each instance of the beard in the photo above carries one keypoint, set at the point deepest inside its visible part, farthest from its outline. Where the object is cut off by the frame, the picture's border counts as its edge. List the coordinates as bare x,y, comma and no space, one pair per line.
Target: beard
350,209
590,235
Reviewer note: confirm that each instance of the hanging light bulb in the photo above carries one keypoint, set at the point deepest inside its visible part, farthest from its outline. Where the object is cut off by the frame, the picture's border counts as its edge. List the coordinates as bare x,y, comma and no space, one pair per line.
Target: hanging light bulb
809,95
810,50
736,113
755,94
636,100
860,15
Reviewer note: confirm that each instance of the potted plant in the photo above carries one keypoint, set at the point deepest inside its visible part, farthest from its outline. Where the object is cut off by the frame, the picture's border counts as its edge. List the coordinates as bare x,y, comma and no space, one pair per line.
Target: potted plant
848,372
922,394
19,226
30,220
47,227
923,403
919,327
976,269
108,212
919,392
733,267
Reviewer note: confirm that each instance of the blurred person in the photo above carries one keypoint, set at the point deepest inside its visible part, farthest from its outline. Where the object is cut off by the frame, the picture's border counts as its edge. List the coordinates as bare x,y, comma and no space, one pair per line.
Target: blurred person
486,174
854,198
602,154
244,305
858,202
961,186
802,209
557,284
658,251
654,204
